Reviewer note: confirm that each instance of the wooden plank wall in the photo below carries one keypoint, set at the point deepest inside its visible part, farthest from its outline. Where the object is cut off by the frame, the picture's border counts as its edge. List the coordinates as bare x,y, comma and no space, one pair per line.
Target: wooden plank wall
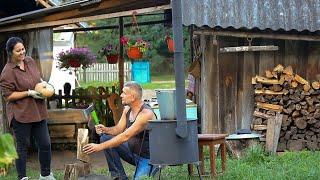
226,94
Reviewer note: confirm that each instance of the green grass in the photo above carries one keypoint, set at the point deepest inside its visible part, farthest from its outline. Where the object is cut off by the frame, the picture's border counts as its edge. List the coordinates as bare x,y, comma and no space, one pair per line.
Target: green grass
157,82
254,165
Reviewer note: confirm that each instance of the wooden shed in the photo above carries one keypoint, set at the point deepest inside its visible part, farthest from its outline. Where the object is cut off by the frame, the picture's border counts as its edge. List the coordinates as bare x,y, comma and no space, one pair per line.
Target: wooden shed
289,28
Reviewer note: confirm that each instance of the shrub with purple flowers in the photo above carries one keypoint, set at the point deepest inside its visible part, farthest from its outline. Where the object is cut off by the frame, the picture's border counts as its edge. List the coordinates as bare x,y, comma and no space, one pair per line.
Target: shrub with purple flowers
75,57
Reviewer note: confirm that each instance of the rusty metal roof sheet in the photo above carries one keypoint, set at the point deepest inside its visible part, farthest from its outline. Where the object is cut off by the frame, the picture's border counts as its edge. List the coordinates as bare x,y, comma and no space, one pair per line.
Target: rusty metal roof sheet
288,15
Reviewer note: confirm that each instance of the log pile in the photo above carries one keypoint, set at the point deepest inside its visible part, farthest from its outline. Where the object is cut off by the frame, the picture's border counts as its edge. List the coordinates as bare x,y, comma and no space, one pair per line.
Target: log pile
297,99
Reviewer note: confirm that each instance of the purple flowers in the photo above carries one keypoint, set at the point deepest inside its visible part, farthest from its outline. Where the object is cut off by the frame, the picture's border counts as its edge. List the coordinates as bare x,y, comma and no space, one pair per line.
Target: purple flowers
74,57
109,50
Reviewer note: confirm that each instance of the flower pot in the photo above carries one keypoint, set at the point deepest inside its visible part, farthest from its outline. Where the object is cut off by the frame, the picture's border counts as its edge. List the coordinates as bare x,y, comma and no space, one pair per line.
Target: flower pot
74,63
134,53
170,44
112,59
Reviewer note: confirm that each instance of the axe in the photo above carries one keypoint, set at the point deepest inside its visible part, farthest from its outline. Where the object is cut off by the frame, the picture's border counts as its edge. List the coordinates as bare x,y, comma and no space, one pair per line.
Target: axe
90,111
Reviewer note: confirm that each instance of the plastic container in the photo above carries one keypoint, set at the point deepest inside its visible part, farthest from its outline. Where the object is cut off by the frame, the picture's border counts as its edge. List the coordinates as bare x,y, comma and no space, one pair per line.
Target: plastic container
167,103
140,71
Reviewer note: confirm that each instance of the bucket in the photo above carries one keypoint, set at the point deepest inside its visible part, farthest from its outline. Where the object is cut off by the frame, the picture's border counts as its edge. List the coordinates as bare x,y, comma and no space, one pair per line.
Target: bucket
167,103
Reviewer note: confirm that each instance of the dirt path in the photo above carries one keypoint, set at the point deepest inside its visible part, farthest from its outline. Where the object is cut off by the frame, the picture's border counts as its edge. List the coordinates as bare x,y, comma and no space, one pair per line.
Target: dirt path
60,158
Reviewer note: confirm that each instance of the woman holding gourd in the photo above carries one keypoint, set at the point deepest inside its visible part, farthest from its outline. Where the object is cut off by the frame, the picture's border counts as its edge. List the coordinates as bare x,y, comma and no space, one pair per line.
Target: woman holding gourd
26,108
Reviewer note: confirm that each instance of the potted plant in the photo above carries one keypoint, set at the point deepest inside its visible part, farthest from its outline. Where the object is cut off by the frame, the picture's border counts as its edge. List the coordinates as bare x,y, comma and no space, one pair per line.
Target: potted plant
135,46
76,57
170,43
110,52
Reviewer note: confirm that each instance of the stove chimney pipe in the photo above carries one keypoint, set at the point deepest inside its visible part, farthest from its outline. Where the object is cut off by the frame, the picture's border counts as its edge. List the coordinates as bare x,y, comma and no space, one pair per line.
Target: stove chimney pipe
182,126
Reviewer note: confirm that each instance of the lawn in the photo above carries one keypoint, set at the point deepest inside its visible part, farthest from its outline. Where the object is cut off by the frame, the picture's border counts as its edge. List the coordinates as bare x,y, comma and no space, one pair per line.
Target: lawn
255,165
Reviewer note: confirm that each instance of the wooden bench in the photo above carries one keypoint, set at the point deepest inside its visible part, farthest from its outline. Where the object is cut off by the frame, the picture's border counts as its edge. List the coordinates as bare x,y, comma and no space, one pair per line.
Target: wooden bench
211,140
63,124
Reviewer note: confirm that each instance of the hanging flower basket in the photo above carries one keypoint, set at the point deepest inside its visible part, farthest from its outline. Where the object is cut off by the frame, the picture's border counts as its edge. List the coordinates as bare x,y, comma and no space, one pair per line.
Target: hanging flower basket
134,52
112,58
74,63
76,57
170,44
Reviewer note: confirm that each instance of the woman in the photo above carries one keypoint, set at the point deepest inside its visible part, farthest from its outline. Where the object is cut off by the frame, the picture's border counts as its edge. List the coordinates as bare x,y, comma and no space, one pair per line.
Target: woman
26,108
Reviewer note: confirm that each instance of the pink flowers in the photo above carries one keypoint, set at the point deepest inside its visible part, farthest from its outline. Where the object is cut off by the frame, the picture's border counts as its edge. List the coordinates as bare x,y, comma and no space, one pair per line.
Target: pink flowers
138,42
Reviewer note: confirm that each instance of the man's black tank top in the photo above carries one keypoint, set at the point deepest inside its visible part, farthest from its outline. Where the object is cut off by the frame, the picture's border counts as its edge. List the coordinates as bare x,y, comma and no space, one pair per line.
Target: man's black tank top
135,143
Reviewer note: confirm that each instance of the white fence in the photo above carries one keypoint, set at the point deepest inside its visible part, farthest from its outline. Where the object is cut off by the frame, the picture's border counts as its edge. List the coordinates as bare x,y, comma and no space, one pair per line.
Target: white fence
104,72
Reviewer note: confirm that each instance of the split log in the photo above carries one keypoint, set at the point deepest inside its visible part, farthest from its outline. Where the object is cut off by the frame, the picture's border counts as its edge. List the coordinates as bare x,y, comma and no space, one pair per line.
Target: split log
258,127
294,84
268,92
264,80
298,107
300,79
295,145
259,98
313,146
315,85
261,115
75,170
301,123
306,87
271,107
287,77
254,80
82,140
276,87
295,114
286,121
269,74
257,121
288,70
279,68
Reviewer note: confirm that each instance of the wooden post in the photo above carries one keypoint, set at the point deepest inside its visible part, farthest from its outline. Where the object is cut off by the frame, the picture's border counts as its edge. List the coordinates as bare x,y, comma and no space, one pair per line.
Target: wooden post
121,60
273,132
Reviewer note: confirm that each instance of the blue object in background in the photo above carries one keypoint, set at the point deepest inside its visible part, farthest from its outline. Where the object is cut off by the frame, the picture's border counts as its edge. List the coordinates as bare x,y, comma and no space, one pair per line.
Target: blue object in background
140,71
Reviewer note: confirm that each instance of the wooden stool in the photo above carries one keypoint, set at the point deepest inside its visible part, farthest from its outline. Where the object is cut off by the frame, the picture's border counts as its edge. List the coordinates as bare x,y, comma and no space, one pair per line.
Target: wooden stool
211,140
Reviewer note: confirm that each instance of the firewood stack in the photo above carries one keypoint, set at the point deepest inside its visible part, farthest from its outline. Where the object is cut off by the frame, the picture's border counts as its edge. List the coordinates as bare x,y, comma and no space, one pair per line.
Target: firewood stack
297,99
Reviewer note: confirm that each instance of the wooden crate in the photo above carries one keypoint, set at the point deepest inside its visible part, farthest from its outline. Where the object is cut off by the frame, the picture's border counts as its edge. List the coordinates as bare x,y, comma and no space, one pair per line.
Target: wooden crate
63,124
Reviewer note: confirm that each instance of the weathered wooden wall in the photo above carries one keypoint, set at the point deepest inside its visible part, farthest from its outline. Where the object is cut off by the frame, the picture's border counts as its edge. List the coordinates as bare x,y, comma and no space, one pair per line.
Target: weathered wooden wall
226,93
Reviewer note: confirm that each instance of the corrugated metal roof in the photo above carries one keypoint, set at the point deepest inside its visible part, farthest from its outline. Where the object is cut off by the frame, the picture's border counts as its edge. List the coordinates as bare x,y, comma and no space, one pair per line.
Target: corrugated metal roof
288,15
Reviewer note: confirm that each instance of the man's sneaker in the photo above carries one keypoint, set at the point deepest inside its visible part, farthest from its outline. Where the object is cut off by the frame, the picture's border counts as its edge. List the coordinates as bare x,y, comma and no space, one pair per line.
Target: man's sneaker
50,177
24,178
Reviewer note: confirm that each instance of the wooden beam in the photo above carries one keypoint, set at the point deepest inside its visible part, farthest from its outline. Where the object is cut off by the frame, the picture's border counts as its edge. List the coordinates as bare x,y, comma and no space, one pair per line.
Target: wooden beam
248,48
44,3
108,27
259,35
84,9
82,19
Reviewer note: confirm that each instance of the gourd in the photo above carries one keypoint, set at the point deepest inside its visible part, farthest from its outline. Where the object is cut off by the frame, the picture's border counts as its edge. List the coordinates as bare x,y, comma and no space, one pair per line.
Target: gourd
45,89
